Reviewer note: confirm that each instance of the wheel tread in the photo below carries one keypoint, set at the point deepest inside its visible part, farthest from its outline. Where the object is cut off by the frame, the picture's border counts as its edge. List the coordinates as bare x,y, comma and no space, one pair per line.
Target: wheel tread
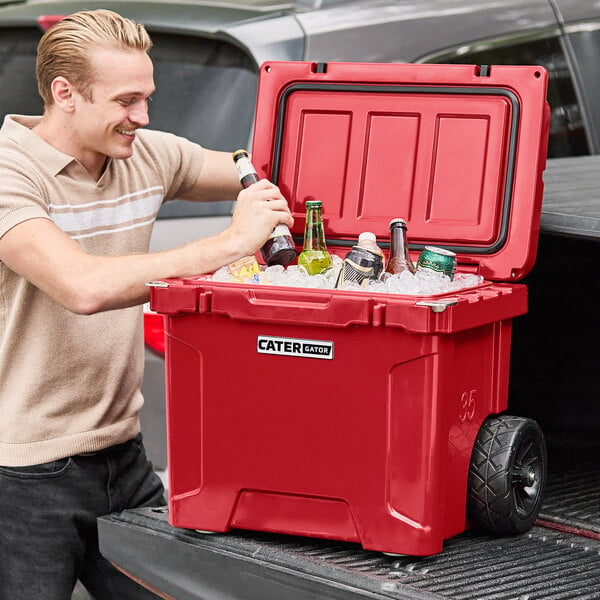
491,500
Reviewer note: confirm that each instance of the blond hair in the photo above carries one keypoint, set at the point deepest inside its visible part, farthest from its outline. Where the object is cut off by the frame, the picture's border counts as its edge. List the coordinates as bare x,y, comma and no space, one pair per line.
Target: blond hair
64,49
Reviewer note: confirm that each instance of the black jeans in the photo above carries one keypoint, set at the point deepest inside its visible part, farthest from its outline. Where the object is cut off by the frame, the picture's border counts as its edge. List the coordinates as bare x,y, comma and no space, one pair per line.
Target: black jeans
48,532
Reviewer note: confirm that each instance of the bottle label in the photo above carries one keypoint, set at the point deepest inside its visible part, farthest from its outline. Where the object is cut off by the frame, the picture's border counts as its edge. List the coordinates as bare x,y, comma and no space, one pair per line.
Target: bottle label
245,269
359,266
280,229
244,167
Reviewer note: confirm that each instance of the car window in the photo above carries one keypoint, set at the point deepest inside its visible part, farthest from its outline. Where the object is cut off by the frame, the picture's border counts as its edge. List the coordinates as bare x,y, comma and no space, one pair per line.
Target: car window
584,40
18,87
567,133
205,91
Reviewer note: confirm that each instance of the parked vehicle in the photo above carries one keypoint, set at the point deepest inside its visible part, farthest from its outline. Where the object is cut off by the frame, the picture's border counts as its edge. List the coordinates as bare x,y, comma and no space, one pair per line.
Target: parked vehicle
207,55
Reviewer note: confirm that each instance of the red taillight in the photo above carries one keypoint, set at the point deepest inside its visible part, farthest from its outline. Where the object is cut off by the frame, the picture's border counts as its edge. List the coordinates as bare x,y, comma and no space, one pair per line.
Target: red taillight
46,21
154,333
154,590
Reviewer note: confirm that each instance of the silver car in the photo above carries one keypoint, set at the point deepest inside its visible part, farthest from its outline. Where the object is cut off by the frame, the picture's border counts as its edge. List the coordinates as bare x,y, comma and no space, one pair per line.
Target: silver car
207,55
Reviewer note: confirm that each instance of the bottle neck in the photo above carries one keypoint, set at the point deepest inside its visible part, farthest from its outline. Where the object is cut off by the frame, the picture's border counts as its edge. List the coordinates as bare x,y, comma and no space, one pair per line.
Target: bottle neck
314,234
246,171
399,259
398,243
371,245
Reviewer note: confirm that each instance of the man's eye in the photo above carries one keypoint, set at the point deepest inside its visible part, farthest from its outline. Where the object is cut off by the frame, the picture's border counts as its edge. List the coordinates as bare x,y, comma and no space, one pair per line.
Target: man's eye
126,101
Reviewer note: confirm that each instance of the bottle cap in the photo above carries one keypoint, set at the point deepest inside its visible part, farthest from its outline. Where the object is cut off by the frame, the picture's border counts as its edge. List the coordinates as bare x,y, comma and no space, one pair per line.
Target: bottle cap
367,235
238,152
313,203
401,222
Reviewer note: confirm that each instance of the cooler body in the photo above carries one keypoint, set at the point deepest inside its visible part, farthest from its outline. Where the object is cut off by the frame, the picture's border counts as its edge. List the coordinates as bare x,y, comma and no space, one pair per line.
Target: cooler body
331,414
344,414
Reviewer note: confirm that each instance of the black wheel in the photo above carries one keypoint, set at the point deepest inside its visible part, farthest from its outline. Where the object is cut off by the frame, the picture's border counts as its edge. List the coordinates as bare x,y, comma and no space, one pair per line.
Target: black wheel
507,475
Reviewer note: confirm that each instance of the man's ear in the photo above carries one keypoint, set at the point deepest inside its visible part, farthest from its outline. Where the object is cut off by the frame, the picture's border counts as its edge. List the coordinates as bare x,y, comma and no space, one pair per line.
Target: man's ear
63,94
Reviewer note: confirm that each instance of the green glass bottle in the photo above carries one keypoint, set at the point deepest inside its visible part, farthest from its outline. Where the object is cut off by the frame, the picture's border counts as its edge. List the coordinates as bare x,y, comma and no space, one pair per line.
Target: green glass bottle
314,256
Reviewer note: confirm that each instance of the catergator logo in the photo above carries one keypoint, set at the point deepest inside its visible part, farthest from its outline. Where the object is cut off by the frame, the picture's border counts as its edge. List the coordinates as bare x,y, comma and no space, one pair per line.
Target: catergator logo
294,347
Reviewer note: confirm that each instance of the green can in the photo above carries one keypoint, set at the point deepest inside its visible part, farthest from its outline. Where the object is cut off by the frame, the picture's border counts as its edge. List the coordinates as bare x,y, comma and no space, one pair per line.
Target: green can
437,259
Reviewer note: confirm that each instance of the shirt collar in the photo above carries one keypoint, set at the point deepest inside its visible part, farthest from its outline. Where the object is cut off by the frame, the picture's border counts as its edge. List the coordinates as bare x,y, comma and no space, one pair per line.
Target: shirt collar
18,128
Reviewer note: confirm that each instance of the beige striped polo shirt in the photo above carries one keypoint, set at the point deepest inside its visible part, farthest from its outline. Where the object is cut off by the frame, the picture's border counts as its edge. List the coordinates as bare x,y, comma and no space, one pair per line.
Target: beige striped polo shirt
71,383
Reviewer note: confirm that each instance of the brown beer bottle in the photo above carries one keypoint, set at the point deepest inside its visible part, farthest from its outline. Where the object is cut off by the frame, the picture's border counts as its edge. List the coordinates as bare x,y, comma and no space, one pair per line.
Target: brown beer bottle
279,249
399,255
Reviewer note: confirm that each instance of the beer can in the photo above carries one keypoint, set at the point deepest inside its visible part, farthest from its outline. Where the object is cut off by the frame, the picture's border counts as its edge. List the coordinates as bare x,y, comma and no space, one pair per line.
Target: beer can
437,259
360,265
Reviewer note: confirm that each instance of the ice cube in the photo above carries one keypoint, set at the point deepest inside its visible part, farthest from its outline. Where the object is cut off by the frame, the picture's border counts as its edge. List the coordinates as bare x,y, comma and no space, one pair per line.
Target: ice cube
222,274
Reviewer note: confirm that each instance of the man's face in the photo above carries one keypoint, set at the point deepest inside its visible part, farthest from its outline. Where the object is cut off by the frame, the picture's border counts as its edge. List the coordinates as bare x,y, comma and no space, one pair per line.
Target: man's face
105,124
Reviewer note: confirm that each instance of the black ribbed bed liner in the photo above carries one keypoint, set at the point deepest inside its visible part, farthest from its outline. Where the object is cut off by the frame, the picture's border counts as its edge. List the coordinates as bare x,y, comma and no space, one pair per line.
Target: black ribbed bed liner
542,564
572,495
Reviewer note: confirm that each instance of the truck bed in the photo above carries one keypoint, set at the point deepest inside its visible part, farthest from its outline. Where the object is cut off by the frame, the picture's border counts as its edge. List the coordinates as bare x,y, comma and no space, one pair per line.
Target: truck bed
571,204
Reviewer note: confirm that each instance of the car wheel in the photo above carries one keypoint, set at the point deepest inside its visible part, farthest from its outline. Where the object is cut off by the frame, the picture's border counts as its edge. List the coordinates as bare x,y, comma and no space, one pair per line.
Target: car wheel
507,475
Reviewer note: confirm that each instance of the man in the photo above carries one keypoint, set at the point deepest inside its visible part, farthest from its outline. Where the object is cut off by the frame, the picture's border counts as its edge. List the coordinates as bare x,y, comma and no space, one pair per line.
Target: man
81,187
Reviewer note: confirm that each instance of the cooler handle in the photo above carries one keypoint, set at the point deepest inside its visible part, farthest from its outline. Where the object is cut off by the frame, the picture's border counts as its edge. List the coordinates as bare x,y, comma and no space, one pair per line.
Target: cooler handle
313,307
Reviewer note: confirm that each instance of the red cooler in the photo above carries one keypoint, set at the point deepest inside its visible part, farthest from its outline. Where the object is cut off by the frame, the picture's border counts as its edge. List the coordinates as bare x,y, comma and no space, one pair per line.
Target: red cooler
350,415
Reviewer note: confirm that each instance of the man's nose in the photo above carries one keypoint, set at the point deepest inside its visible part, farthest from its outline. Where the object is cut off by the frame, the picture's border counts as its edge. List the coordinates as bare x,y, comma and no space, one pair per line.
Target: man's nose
139,114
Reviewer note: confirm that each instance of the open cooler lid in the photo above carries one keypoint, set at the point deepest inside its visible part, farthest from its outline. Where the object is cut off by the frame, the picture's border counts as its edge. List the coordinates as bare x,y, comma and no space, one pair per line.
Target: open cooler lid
457,151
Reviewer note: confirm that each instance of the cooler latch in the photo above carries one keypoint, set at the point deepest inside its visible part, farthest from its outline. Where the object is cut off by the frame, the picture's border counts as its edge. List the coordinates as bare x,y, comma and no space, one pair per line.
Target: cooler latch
437,306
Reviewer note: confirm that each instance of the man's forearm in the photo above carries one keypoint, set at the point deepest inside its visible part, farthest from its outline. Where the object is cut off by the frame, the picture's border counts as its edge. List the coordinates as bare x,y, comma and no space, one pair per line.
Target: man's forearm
117,282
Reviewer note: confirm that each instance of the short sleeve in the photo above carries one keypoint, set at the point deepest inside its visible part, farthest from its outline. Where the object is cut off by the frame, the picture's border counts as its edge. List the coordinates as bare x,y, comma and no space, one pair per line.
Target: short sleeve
21,197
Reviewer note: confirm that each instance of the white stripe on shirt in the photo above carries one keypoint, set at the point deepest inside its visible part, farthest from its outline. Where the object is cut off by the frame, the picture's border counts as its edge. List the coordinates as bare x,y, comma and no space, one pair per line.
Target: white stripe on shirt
113,217
113,230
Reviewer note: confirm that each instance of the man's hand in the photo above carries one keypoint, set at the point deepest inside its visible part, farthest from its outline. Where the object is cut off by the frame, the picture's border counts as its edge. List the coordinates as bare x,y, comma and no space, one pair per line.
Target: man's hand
258,210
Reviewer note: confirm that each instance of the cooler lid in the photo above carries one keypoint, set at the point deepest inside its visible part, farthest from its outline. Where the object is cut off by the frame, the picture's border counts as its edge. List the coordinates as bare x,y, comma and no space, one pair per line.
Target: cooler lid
457,151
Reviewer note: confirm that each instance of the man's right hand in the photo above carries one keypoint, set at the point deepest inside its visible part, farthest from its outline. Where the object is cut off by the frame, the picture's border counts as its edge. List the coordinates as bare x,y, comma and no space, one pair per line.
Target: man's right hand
259,208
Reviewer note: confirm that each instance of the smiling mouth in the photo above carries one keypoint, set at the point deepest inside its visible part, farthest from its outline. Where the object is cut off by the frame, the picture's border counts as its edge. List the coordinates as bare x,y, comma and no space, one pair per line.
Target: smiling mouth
128,133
